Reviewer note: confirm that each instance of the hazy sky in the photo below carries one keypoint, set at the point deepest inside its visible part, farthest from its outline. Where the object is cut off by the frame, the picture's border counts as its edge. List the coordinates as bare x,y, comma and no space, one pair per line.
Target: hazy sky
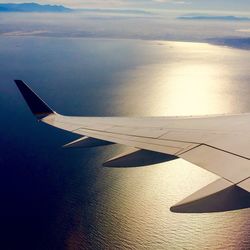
221,5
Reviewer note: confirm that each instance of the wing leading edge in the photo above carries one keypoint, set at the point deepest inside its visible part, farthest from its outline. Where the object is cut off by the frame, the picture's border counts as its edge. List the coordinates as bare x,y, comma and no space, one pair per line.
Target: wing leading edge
219,144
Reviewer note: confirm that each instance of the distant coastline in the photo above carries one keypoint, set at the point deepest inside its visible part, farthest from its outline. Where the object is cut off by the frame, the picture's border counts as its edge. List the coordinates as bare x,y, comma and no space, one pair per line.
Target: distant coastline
233,42
106,23
214,18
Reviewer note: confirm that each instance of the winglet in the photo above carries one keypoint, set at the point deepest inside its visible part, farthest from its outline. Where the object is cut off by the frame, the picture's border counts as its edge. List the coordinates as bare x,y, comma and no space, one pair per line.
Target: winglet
37,106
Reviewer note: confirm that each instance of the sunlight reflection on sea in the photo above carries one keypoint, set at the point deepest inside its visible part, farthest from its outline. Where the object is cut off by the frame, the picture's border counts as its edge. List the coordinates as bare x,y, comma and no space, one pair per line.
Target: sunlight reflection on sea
104,208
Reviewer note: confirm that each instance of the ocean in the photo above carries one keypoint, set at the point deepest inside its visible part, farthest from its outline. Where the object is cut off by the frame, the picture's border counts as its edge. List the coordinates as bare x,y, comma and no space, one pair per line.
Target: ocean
55,198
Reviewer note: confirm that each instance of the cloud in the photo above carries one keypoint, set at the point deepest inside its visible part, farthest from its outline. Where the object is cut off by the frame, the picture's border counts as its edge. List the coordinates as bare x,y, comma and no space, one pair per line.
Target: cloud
171,1
25,33
244,30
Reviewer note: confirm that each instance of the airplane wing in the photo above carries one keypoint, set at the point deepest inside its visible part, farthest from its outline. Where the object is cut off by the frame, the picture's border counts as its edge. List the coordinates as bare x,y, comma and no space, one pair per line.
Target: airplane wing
219,144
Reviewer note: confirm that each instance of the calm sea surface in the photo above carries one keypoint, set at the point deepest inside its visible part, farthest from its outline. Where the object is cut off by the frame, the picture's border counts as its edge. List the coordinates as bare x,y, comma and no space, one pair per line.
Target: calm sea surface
53,198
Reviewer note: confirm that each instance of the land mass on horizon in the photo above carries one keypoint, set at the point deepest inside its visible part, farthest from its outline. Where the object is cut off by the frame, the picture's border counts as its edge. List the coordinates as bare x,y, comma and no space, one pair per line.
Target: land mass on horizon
32,7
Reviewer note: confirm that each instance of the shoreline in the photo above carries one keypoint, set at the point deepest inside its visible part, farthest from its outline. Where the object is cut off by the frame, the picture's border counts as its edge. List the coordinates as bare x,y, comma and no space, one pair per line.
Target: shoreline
222,42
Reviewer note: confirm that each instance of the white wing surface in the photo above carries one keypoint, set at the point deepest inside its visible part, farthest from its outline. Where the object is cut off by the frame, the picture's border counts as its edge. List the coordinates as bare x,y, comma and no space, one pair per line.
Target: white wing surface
219,144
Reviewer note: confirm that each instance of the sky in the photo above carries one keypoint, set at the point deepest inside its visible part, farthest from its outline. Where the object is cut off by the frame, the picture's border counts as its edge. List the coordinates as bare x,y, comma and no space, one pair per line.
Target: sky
216,5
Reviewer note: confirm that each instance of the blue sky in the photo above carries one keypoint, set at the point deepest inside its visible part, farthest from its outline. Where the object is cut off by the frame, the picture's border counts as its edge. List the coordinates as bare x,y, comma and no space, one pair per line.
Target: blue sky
218,5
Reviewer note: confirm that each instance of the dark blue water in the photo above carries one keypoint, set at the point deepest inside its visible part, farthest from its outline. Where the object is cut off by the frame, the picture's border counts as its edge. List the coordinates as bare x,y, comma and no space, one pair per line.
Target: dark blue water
36,174
52,198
